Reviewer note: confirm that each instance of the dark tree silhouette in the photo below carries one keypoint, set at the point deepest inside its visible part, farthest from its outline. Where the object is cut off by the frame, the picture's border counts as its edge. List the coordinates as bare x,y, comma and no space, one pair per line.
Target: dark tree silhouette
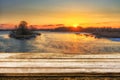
22,29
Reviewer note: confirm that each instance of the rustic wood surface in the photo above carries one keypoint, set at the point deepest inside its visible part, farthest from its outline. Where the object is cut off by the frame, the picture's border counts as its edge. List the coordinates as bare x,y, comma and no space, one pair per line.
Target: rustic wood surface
78,67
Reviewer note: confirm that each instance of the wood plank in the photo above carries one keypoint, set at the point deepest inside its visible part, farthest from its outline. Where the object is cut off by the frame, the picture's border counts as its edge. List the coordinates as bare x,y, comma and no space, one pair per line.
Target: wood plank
81,64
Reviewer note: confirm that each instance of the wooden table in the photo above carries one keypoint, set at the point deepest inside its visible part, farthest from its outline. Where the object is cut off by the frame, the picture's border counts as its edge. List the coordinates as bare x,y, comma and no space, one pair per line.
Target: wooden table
90,67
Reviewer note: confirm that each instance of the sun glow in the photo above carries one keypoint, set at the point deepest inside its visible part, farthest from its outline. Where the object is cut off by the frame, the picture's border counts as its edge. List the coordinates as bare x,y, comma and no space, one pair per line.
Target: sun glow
75,25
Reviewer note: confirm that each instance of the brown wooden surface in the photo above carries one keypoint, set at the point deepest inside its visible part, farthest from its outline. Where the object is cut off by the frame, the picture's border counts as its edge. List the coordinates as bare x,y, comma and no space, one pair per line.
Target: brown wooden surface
78,67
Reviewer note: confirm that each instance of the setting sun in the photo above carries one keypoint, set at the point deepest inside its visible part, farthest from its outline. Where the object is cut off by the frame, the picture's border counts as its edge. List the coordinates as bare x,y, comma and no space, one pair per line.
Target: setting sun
75,25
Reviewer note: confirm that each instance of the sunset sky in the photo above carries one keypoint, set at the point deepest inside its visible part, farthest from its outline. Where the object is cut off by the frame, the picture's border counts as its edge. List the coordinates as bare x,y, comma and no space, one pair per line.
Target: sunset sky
67,12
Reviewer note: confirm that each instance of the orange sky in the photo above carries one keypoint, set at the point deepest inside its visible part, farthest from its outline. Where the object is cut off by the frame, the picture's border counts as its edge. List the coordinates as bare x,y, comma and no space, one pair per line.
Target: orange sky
68,12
